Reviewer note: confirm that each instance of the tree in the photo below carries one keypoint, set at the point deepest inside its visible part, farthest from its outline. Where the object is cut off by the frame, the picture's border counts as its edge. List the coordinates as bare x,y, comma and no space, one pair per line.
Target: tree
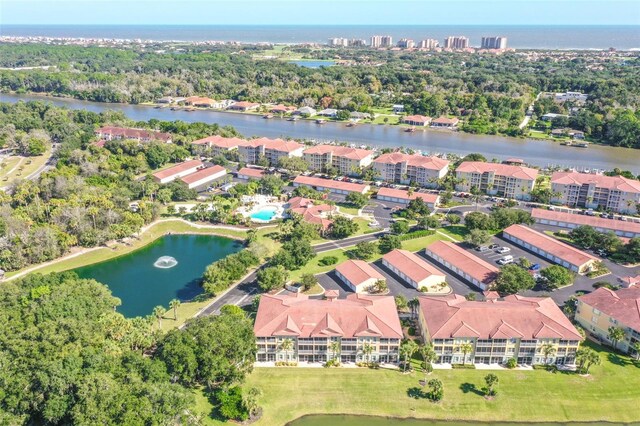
272,277
294,164
357,199
417,208
174,305
365,250
491,380
335,347
512,279
465,348
584,236
585,358
525,263
556,276
271,185
308,281
407,349
158,313
387,243
478,237
429,222
636,349
286,346
429,356
380,286
548,350
414,305
479,220
343,227
436,390
367,350
401,302
400,227
453,219
250,401
231,403
615,334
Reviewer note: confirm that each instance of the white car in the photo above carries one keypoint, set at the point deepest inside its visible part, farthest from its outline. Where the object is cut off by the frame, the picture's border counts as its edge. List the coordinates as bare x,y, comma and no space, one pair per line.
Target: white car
503,250
505,260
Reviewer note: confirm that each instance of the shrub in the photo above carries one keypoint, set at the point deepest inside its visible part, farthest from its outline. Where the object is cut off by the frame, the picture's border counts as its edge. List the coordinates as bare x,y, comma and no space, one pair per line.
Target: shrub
512,363
463,366
416,234
328,260
230,404
286,364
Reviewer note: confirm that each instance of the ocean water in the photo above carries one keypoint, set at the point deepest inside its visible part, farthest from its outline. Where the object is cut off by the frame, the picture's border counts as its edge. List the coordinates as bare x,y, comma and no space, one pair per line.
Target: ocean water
520,37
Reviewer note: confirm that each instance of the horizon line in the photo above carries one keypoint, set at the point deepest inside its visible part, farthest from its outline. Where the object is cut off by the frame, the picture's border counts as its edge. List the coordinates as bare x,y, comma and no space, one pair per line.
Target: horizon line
317,25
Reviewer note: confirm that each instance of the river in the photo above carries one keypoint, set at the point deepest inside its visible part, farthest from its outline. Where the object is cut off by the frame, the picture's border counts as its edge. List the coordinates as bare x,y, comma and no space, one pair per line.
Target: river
536,152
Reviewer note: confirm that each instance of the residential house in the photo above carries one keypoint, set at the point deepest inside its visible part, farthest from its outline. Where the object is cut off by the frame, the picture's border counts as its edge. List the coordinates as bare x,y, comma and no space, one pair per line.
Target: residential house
328,112
405,168
413,269
497,330
281,109
243,106
397,109
469,267
305,110
299,329
417,120
348,161
445,122
358,275
503,180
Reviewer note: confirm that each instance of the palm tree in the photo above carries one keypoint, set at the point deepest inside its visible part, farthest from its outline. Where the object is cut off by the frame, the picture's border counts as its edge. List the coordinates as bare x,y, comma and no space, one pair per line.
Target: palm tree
408,349
158,312
428,356
465,348
174,304
476,195
586,357
636,347
491,380
413,304
548,350
615,335
334,346
286,345
367,350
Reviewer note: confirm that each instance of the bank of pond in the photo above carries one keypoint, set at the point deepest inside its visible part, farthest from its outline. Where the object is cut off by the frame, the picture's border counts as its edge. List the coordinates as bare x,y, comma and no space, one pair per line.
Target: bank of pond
168,268
351,420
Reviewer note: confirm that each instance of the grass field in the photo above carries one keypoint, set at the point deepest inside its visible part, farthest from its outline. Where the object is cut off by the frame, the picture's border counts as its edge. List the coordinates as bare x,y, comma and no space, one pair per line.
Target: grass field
25,167
610,393
457,232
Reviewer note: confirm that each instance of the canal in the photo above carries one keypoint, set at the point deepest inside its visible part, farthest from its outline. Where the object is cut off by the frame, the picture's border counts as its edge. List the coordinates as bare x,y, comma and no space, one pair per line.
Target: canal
535,152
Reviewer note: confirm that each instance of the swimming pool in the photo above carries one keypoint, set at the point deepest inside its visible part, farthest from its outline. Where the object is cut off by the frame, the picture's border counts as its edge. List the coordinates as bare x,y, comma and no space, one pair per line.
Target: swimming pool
266,214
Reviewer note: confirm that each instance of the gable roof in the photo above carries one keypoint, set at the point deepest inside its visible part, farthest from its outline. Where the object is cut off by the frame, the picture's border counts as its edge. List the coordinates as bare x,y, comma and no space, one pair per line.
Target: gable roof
358,271
339,151
415,160
275,144
619,183
412,265
203,173
594,221
499,169
131,133
404,195
623,304
466,262
329,183
178,168
220,141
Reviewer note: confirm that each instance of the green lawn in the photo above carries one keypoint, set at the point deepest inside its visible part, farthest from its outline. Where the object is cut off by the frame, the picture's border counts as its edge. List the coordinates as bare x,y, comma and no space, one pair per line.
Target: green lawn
457,232
347,209
611,393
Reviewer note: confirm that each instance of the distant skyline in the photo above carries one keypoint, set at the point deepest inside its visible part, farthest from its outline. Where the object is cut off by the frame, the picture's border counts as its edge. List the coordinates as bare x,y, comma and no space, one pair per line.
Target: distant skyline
328,12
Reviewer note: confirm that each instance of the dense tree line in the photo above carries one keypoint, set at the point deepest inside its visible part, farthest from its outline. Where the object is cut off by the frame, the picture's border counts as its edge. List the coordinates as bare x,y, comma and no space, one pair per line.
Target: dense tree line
491,92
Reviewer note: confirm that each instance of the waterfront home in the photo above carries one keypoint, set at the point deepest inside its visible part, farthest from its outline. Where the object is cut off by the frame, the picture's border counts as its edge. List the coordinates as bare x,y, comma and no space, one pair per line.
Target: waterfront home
243,106
604,308
204,177
621,228
407,168
179,170
413,269
445,122
358,275
334,186
249,173
548,247
417,120
109,133
281,109
503,180
469,267
203,102
348,161
328,112
355,115
497,329
299,329
312,211
251,151
615,193
218,145
305,110
404,197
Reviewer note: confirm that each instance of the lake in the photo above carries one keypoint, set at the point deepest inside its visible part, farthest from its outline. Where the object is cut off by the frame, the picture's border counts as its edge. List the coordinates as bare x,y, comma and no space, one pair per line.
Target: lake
344,420
141,286
312,64
536,152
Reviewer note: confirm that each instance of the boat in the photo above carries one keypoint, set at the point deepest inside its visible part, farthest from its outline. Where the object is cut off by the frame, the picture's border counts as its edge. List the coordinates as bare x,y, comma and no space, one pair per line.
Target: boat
351,124
292,119
566,143
267,116
320,121
582,144
410,129
173,108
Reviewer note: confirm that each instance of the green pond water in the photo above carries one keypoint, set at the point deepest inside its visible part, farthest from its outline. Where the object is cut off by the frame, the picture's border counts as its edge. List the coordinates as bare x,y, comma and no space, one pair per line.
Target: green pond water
141,286
327,420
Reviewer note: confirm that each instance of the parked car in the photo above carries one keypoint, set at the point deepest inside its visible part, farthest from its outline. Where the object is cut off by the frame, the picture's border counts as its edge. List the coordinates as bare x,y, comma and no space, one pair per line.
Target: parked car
482,249
505,260
534,267
590,212
493,246
503,250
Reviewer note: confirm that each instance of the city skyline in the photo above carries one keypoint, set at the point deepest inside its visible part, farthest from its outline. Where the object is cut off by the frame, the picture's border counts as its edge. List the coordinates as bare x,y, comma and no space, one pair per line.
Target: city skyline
333,12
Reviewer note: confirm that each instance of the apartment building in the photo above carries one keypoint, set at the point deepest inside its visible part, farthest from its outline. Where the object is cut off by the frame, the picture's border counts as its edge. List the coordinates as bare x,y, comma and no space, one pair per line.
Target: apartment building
381,41
615,193
604,308
429,43
348,161
218,145
456,42
272,149
499,42
406,43
296,328
109,133
498,329
504,180
405,168
338,42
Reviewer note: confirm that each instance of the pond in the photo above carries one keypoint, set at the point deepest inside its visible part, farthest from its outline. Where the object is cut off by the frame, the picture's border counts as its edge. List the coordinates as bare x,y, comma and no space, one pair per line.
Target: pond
313,64
168,268
344,420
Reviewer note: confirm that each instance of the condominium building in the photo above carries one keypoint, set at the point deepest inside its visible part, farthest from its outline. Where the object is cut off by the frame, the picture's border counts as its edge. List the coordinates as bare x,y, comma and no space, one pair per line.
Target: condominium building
406,43
498,42
571,220
296,328
531,330
338,42
218,145
504,180
456,42
604,308
381,41
405,168
429,43
109,133
348,161
272,149
615,193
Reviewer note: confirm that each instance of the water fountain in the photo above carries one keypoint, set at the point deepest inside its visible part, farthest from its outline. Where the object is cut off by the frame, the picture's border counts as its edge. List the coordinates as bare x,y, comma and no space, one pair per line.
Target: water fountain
165,262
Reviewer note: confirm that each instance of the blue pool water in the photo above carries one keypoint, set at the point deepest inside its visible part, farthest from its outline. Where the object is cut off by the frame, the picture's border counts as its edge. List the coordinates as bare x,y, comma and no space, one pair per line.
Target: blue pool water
265,214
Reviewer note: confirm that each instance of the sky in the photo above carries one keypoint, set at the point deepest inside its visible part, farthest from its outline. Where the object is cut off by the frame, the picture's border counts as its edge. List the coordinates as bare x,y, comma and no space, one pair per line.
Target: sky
324,12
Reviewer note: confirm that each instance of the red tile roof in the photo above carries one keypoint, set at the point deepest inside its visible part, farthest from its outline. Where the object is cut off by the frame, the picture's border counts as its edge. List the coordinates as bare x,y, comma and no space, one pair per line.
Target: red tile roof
611,182
463,260
328,183
219,141
339,151
275,144
356,316
244,104
358,271
203,173
412,265
311,213
430,163
526,318
623,304
519,172
417,119
130,133
402,194
178,168
578,219
282,108
446,120
254,173
550,245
